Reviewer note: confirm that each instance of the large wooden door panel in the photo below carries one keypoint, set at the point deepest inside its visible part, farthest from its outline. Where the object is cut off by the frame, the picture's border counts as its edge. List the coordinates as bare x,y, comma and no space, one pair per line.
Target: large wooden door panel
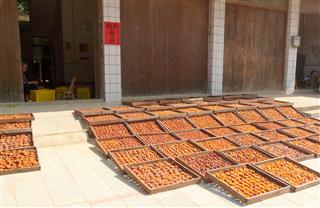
254,49
164,46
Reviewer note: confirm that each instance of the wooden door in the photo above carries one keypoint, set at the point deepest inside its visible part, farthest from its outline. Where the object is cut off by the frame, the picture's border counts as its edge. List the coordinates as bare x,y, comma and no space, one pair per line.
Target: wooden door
254,49
164,46
10,54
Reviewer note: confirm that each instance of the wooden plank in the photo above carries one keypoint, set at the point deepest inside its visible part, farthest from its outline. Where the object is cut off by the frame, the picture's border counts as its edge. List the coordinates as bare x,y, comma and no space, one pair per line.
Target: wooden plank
277,5
254,49
154,34
98,45
11,83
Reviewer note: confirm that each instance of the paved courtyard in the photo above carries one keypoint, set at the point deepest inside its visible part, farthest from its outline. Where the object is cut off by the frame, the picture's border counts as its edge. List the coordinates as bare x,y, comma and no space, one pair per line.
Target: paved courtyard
74,173
77,175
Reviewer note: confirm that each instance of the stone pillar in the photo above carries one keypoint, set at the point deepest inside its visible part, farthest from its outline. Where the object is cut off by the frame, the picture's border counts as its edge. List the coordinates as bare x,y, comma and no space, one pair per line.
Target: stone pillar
112,56
11,83
290,52
216,46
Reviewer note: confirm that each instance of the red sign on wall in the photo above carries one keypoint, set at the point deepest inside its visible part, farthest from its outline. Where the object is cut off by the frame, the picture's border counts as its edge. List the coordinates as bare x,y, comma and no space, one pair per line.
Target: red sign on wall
112,33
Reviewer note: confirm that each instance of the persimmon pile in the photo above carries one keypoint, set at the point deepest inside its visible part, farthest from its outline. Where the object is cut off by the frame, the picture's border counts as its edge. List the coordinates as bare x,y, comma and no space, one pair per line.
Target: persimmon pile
247,155
206,161
236,105
290,112
15,125
297,132
145,127
272,113
313,127
165,112
251,116
106,117
111,130
282,150
177,124
221,131
307,144
309,120
290,123
246,128
229,118
216,144
204,121
136,155
15,116
158,138
123,108
178,148
215,107
269,125
18,158
192,135
246,139
135,115
190,110
120,143
246,181
272,135
93,110
160,173
11,141
289,172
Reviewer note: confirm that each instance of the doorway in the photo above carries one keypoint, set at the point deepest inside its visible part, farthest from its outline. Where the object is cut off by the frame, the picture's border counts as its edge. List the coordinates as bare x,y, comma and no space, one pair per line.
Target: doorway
59,42
308,60
254,48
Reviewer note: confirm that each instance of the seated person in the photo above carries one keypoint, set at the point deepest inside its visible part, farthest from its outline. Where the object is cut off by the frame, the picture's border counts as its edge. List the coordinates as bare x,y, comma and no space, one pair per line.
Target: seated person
26,83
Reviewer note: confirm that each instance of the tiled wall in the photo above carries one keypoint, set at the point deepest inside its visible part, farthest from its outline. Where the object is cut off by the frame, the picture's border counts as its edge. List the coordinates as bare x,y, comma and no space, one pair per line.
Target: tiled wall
112,55
216,46
291,53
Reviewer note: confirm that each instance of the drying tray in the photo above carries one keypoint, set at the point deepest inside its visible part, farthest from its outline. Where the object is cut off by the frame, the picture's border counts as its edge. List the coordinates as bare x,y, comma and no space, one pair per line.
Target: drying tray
91,123
194,180
308,154
285,187
181,160
81,112
29,132
121,166
21,170
293,187
106,152
17,119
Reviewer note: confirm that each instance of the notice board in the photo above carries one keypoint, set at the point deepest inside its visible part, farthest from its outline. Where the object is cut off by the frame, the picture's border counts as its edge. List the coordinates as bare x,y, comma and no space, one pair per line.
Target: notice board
112,33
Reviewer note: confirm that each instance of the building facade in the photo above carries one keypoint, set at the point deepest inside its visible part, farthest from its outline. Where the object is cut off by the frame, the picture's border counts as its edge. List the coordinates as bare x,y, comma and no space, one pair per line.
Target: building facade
157,48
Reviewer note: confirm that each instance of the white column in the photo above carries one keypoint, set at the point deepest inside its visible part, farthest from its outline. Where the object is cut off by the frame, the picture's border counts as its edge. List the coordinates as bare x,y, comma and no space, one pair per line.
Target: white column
216,46
291,53
112,55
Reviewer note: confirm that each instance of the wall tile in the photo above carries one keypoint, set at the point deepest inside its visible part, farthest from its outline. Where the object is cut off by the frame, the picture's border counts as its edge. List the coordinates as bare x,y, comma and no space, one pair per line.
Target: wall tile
112,67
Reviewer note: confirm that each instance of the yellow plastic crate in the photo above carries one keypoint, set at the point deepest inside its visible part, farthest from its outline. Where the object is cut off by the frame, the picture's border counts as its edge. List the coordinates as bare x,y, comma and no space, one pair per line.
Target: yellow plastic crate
83,92
43,95
60,91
